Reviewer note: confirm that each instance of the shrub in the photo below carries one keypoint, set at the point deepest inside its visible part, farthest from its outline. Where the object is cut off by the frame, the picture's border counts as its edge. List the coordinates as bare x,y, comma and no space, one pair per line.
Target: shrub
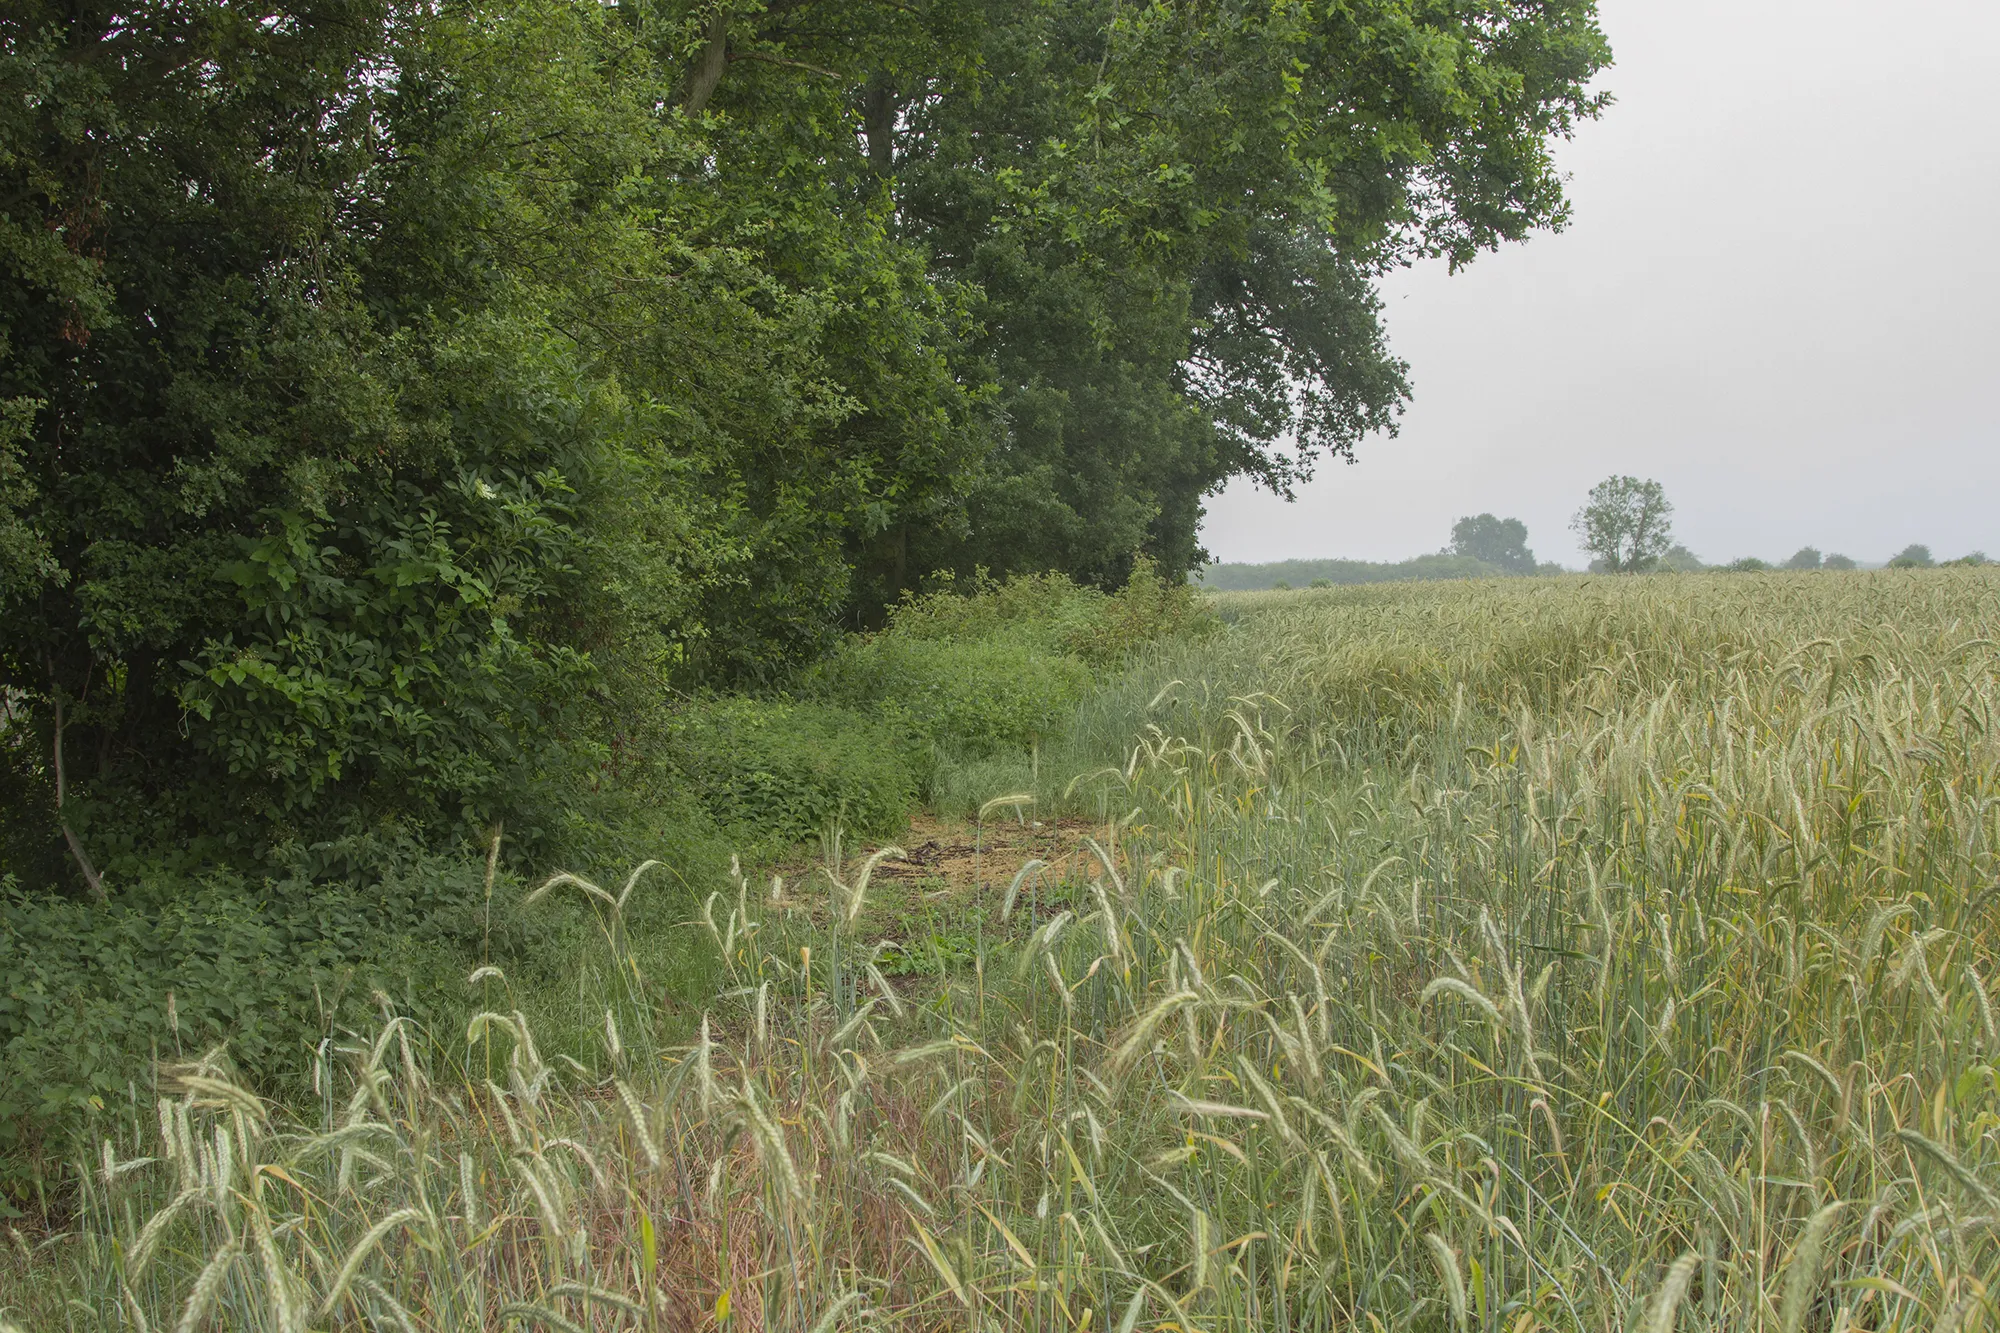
1806,557
780,771
1749,564
976,698
1914,556
1054,614
1145,610
1838,561
991,669
1680,560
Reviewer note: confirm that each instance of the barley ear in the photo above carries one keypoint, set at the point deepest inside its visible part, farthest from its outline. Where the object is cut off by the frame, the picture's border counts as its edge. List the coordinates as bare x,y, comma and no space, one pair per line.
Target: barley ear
359,1255
1446,1260
1802,1279
1667,1300
207,1285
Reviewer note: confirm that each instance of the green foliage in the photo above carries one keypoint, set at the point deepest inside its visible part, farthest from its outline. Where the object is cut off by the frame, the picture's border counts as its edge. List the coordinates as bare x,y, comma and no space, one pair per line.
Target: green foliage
1502,543
1749,564
274,966
1838,561
90,995
1914,556
1056,614
979,696
775,772
1001,666
1679,560
1806,557
25,560
1174,217
924,952
397,496
404,677
1626,525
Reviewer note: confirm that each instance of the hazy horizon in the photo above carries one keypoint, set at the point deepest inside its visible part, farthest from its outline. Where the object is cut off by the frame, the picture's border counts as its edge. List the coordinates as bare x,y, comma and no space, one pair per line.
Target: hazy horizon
1778,296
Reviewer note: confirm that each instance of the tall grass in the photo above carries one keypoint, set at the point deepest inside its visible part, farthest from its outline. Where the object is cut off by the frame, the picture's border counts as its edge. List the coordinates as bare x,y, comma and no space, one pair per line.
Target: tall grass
1583,954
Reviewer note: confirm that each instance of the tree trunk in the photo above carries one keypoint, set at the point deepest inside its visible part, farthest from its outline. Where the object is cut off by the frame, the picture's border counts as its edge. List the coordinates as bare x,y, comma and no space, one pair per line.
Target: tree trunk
878,122
707,71
90,875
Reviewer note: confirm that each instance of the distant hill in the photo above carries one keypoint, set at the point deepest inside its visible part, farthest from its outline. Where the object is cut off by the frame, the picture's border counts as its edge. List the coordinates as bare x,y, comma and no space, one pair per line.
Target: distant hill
1304,573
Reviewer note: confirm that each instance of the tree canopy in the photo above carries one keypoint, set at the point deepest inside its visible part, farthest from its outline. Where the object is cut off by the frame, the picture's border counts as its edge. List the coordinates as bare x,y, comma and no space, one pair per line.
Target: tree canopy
1501,542
1627,524
396,396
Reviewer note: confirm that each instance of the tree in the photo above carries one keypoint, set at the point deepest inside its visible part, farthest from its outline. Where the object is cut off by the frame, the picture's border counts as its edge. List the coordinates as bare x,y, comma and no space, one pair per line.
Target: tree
1806,557
1914,556
1838,561
1500,542
1174,217
1626,524
392,396
396,397
1679,560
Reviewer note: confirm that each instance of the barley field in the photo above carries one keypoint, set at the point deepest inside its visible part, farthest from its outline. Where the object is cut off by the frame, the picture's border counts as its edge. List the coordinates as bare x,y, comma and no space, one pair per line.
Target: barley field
1581,954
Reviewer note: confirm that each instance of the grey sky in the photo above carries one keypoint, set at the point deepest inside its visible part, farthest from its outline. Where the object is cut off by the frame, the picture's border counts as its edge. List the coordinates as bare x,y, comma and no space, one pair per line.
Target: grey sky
1780,296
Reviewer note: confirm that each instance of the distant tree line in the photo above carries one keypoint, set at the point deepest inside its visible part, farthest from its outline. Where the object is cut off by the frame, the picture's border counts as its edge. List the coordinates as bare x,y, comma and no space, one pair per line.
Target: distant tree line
1284,574
1482,546
1625,524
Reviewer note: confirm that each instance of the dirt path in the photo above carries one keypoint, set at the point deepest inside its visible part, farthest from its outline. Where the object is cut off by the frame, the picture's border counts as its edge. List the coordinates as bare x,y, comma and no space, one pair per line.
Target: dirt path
951,885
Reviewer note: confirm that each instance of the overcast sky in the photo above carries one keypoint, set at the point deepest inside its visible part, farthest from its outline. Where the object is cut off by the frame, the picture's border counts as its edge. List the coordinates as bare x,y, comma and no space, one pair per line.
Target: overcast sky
1780,296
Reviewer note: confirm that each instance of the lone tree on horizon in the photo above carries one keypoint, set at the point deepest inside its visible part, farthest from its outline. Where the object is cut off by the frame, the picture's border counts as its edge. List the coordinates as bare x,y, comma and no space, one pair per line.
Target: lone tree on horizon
1626,525
1500,542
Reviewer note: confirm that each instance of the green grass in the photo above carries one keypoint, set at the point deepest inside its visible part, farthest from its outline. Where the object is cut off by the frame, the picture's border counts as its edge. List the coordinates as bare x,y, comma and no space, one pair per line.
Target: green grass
1597,954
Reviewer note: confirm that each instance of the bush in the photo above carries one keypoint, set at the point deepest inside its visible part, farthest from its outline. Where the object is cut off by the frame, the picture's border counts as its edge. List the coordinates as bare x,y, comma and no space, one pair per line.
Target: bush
990,670
975,698
1680,560
1838,561
1914,556
780,771
1054,614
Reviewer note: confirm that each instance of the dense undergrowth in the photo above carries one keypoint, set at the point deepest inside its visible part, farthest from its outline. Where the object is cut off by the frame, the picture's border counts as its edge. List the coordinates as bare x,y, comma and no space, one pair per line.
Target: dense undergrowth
186,956
1586,954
